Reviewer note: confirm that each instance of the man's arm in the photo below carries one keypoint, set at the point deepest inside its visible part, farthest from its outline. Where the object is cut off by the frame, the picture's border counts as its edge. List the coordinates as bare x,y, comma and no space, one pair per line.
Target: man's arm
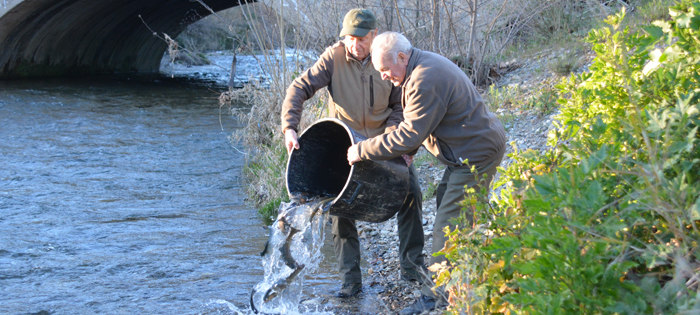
423,113
302,89
396,116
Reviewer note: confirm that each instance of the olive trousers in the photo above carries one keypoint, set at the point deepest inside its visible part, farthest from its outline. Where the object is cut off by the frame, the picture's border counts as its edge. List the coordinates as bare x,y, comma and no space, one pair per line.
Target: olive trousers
410,230
450,193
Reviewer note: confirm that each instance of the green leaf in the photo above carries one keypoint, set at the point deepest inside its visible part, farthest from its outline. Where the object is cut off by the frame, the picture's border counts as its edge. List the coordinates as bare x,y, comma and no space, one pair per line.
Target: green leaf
683,20
527,268
600,126
536,205
654,31
679,146
695,23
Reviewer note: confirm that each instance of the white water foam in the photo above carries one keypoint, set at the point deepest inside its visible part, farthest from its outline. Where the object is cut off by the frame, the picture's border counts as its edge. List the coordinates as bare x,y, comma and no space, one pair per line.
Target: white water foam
293,250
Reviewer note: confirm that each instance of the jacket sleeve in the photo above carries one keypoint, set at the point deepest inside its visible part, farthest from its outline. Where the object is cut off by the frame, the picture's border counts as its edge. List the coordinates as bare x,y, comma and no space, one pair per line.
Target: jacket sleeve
304,87
423,113
396,116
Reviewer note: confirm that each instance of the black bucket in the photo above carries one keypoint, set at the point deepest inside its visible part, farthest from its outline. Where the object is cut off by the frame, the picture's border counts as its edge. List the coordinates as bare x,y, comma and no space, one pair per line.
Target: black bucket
371,191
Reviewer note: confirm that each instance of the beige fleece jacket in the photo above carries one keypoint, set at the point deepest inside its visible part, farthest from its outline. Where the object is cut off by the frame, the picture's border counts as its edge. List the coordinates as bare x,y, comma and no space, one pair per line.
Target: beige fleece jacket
359,96
444,112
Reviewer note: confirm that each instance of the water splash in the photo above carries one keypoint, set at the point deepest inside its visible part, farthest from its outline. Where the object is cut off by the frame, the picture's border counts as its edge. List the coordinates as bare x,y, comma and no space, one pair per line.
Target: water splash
293,249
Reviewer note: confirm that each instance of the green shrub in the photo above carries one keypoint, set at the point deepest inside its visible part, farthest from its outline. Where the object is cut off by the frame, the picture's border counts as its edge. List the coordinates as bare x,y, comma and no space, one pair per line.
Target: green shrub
606,221
504,100
544,100
567,63
507,97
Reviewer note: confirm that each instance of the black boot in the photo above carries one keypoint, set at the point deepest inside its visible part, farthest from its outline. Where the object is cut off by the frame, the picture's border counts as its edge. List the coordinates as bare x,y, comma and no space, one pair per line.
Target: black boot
348,290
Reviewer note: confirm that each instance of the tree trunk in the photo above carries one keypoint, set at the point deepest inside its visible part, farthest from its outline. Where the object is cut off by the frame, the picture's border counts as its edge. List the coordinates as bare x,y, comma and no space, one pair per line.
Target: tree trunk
388,16
473,5
435,43
398,16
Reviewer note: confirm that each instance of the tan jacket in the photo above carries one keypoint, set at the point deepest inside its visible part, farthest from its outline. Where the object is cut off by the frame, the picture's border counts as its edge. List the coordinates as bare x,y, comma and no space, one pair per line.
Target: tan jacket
444,112
359,96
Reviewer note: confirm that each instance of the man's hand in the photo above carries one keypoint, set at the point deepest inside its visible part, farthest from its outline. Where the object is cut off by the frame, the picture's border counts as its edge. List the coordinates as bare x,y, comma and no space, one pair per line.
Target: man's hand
353,155
290,140
408,159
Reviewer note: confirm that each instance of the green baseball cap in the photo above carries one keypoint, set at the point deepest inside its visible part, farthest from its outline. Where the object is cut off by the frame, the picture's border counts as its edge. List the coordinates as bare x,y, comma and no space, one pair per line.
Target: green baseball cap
358,22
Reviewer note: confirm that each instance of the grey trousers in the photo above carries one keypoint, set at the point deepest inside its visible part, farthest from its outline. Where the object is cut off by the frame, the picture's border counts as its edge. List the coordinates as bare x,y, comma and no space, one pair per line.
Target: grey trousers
449,194
410,229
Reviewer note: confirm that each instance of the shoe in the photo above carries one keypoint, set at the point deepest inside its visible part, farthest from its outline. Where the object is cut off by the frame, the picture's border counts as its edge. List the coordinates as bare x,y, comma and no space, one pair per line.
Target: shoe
410,275
424,303
348,290
414,275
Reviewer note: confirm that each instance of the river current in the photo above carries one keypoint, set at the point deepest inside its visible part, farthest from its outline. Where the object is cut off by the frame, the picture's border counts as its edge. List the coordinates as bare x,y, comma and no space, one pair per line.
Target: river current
124,196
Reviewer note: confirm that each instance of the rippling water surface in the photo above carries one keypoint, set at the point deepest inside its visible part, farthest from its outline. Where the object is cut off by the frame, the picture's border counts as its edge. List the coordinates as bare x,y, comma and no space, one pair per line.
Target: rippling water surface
123,196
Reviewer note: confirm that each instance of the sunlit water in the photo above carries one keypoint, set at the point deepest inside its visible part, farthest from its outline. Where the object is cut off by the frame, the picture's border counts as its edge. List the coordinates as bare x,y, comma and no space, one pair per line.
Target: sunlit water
248,67
292,251
123,196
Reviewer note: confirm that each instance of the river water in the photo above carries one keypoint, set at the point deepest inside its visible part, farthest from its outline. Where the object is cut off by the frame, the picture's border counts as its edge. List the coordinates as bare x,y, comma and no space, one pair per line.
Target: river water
123,196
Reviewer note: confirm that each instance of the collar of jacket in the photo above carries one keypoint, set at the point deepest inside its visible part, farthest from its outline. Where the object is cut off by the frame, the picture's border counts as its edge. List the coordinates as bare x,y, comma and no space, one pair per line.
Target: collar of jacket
412,63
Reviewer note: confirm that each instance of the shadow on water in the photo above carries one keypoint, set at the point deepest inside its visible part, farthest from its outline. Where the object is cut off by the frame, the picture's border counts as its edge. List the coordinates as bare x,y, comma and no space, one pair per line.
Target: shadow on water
122,195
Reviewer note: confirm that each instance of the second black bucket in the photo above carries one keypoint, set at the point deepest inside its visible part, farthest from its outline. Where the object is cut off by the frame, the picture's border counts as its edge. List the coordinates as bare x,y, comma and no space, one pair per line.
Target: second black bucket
371,191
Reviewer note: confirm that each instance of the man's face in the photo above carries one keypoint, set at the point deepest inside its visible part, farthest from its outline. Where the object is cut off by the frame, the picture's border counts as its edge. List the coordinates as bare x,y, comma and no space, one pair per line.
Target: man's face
358,47
394,72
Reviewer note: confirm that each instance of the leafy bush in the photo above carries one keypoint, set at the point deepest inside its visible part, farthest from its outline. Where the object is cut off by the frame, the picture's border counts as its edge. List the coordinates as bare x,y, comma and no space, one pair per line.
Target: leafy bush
606,222
567,63
510,98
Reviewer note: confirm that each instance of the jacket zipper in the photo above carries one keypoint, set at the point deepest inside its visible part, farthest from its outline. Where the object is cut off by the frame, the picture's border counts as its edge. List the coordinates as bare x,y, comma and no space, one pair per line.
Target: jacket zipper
371,92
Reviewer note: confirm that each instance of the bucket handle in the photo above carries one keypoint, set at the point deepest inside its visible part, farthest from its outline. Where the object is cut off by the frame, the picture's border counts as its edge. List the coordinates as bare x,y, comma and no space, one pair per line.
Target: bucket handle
357,191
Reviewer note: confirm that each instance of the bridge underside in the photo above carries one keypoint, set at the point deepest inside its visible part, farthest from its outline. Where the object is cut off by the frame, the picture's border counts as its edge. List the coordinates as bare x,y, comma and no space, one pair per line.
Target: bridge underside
40,38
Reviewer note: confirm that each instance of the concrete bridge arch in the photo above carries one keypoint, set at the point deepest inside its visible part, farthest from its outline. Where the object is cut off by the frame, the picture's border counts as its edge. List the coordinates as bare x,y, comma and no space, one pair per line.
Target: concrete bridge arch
40,38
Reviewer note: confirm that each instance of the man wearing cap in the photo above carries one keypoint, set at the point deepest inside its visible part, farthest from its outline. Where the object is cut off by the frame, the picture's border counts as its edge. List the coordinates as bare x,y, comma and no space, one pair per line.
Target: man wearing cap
371,107
444,113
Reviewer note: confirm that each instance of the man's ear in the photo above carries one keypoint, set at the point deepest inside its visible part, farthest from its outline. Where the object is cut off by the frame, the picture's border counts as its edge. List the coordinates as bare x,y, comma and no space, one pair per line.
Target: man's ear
401,57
